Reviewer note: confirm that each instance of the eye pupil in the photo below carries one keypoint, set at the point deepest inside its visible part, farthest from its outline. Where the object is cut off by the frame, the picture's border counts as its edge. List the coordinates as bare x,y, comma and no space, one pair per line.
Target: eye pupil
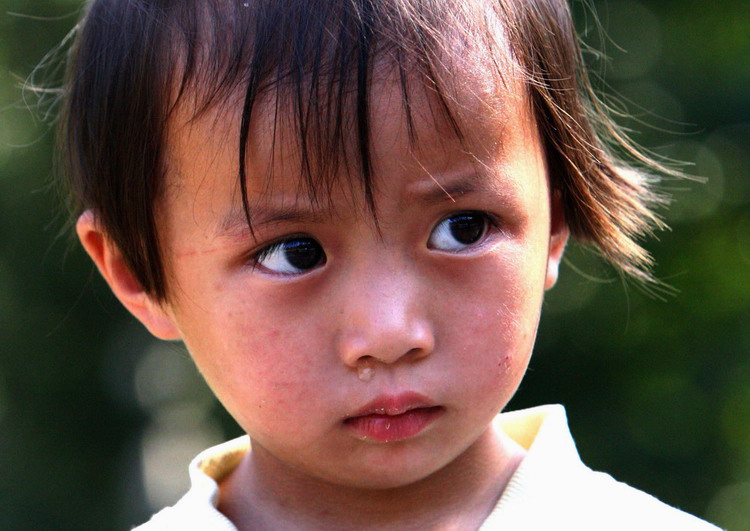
303,253
467,228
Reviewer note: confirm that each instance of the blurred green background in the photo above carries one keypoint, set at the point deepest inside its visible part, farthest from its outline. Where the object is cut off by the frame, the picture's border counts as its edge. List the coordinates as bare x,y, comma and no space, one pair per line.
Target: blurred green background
97,420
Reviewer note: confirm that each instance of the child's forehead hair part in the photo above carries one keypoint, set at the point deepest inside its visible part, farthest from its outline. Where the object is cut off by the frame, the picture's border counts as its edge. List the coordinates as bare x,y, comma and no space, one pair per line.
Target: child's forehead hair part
137,62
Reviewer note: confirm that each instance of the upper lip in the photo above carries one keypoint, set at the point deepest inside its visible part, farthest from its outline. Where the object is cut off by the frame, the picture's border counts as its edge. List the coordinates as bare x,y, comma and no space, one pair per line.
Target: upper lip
394,404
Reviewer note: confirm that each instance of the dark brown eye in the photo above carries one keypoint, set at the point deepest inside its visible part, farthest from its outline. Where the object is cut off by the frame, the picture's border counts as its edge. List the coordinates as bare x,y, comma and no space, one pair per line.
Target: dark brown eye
459,231
291,257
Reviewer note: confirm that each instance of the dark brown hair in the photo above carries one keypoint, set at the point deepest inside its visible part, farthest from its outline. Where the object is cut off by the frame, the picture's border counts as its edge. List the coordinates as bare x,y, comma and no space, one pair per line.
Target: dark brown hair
135,61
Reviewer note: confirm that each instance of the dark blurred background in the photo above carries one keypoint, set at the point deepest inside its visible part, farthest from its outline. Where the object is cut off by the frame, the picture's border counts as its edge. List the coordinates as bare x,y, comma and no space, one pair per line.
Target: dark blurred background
97,420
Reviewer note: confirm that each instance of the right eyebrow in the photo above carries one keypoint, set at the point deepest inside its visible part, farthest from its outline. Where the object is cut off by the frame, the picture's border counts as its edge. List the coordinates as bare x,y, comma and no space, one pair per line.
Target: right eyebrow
235,223
432,191
449,191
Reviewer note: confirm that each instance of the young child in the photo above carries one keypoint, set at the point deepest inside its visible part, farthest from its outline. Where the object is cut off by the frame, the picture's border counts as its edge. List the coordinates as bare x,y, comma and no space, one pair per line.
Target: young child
350,211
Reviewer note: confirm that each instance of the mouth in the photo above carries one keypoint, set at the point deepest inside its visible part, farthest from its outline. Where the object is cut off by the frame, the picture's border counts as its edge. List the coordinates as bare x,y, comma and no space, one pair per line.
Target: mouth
391,418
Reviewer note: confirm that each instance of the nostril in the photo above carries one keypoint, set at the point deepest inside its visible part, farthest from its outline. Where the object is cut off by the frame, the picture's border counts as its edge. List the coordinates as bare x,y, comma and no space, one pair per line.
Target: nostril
414,352
378,343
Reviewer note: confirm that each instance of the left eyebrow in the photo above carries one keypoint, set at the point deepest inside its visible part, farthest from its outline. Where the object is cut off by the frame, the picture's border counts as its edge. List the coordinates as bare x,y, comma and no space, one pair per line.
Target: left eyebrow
235,222
433,191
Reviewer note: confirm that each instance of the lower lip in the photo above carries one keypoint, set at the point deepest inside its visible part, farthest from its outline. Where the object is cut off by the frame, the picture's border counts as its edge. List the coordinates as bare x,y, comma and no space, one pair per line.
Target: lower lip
390,428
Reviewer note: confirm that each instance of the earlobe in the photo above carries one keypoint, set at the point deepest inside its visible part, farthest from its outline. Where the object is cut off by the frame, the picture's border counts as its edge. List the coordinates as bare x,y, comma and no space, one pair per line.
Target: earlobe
111,264
558,238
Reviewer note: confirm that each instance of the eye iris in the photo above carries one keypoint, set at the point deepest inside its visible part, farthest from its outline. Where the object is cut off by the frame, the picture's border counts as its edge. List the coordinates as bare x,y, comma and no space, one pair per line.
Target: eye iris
303,254
467,228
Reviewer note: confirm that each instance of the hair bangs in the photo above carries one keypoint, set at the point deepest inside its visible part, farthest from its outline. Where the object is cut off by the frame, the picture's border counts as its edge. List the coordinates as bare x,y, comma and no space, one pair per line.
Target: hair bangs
316,71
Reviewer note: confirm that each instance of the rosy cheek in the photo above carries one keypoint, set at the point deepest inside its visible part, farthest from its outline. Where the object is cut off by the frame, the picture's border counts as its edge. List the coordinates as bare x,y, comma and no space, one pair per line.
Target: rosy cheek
269,335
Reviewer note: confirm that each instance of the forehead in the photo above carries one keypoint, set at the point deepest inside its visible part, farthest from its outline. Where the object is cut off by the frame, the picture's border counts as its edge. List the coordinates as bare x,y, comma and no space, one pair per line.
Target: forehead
311,149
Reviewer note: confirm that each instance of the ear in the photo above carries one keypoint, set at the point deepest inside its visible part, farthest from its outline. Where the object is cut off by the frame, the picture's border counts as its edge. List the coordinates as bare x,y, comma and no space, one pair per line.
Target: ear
111,264
558,237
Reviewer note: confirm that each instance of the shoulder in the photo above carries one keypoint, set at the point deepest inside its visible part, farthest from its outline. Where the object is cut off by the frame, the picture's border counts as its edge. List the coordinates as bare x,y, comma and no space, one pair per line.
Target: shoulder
586,500
600,500
553,488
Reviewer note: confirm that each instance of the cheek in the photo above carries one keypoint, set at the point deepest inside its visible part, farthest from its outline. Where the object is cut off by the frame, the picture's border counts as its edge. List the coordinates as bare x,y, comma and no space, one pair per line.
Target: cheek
257,363
496,339
492,325
497,297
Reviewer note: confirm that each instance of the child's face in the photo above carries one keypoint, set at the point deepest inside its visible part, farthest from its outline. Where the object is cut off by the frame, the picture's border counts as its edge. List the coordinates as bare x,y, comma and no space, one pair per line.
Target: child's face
431,320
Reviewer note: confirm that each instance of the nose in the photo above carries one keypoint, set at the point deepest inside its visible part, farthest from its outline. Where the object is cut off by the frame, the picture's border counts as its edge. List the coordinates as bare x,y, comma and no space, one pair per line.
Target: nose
385,319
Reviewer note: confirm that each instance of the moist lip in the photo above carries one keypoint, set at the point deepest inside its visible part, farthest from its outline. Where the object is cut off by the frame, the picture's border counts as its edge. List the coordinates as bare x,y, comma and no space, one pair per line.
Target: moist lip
391,418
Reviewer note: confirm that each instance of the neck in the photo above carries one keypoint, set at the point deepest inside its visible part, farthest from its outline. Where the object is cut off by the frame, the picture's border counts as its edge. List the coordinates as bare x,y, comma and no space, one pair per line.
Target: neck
264,493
